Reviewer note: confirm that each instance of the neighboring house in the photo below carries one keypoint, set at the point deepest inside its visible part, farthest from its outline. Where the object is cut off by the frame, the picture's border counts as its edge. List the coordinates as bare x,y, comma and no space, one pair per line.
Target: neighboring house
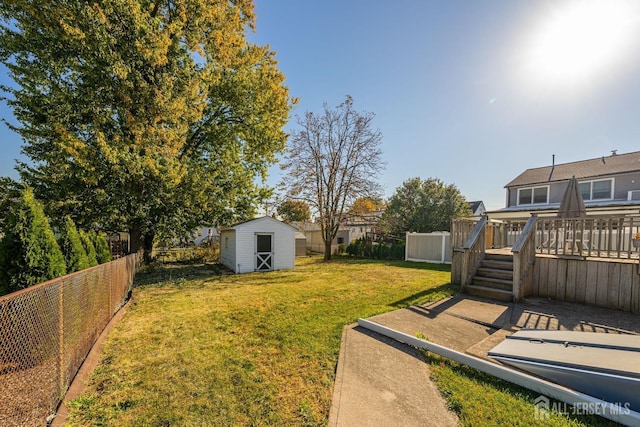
314,237
361,225
261,244
352,227
206,235
610,185
477,208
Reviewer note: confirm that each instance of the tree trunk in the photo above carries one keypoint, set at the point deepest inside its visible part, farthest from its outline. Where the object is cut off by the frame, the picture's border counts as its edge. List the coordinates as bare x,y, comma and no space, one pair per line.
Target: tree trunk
327,250
141,242
148,247
135,239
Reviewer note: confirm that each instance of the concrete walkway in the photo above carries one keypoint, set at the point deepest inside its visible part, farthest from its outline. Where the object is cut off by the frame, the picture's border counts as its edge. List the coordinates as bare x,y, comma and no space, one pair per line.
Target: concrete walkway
380,382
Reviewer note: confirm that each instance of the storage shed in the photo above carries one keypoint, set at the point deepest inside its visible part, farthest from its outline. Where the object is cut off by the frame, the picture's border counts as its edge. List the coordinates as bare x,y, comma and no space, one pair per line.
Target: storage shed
301,244
261,244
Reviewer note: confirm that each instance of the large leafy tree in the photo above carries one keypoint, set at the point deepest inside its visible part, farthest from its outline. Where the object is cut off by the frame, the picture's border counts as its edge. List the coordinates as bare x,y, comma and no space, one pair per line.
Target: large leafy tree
423,206
333,159
9,194
364,205
153,116
294,210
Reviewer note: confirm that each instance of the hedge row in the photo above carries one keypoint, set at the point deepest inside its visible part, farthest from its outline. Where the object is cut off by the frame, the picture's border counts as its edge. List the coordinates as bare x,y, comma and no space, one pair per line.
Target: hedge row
365,248
31,254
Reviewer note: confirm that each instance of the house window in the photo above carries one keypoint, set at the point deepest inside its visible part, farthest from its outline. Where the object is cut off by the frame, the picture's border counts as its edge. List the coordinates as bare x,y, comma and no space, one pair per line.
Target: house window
597,190
533,195
340,240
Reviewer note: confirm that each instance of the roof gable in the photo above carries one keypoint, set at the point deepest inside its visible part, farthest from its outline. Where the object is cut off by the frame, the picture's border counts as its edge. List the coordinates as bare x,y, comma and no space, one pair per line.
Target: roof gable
601,166
264,219
475,205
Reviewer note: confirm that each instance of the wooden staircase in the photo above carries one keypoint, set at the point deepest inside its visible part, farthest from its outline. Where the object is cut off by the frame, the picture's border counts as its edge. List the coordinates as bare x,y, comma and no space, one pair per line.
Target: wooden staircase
494,277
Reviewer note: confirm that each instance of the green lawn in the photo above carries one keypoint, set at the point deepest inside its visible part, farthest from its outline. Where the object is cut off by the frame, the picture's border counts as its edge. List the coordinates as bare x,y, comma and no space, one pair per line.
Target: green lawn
481,400
197,347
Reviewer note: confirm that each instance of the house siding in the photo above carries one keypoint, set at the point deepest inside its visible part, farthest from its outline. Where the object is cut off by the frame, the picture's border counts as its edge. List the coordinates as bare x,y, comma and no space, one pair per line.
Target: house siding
623,183
316,244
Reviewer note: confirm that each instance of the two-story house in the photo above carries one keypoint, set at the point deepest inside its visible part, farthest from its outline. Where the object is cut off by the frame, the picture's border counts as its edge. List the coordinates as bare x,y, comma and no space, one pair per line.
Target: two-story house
610,185
362,224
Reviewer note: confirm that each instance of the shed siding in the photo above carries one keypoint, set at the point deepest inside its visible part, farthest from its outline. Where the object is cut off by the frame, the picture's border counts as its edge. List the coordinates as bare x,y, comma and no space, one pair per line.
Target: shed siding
246,250
228,249
283,244
285,249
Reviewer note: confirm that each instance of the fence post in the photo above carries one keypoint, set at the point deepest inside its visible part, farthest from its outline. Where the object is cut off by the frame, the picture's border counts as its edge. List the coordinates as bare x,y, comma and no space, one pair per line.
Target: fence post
406,245
61,385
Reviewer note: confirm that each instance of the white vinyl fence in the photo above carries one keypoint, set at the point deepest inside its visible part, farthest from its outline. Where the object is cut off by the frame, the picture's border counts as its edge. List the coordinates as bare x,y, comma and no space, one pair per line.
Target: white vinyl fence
428,247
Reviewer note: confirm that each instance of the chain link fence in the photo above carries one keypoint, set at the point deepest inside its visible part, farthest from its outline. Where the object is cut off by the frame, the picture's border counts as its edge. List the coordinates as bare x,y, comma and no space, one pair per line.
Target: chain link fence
46,332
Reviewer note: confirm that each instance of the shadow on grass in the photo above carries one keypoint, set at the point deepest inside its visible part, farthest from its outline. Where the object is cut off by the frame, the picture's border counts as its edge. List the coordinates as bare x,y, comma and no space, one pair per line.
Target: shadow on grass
396,263
428,295
157,272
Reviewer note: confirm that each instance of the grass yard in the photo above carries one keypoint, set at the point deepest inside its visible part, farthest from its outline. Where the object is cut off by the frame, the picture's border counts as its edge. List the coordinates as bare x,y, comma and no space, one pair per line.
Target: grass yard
482,400
197,347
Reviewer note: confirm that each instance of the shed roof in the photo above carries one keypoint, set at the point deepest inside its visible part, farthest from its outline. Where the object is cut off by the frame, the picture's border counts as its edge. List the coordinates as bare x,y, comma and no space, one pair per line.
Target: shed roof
601,166
260,219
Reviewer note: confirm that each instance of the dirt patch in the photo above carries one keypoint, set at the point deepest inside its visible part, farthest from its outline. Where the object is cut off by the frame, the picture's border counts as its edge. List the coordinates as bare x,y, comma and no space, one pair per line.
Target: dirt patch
28,396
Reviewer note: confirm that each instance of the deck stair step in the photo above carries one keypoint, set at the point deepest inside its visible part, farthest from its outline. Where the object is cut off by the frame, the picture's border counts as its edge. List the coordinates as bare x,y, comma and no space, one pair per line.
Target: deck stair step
499,257
490,282
498,265
496,273
492,293
493,278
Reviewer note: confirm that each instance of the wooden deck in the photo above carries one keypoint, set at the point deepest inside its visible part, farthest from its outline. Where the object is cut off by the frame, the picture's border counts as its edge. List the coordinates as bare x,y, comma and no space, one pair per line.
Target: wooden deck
499,251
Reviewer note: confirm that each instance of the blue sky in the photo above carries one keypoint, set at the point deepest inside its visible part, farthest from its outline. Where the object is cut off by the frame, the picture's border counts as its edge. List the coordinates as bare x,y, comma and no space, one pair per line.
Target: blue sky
457,89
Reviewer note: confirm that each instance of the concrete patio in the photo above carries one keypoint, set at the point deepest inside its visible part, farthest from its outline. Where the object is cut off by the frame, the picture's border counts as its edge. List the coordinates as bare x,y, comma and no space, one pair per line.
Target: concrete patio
380,382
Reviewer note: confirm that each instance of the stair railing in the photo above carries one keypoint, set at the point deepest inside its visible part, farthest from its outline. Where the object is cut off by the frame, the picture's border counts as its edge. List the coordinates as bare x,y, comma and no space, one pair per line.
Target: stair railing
524,257
473,252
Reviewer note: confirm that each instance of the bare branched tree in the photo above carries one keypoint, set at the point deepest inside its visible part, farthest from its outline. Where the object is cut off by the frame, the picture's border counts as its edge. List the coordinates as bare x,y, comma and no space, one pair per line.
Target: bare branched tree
333,159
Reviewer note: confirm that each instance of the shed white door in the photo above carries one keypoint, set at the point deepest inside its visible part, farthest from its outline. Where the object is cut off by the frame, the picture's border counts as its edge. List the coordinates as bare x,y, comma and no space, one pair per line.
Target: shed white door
264,252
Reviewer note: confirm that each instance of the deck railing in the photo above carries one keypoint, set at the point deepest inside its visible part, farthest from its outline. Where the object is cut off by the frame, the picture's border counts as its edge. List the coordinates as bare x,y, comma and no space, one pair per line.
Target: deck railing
592,237
461,230
524,256
473,252
600,237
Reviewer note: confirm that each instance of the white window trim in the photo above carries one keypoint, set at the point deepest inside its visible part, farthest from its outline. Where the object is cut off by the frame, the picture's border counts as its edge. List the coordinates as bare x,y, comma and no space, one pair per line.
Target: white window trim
591,181
532,191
